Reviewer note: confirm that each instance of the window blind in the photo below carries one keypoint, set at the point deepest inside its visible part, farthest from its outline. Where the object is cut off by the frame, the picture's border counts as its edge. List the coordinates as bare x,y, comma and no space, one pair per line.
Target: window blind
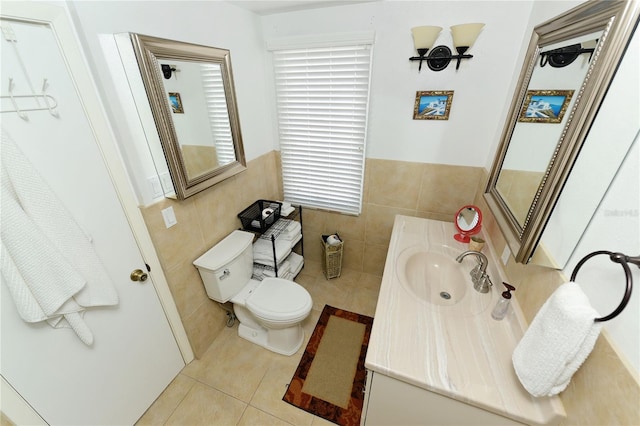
214,95
322,99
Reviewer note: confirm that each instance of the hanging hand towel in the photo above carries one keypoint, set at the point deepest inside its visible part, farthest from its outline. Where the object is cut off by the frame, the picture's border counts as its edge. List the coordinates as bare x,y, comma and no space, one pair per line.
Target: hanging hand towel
48,263
559,339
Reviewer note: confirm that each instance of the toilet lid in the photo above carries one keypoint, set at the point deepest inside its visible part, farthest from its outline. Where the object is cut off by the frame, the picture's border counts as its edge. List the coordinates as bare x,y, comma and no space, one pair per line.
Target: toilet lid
277,298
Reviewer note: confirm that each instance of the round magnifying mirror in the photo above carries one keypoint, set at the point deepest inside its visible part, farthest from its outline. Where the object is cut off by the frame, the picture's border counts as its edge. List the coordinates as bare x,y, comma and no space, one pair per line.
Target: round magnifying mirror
468,221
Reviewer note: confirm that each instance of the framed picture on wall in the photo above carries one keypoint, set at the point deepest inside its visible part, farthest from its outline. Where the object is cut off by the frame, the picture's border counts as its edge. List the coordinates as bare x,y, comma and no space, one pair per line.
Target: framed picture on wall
545,106
432,105
176,103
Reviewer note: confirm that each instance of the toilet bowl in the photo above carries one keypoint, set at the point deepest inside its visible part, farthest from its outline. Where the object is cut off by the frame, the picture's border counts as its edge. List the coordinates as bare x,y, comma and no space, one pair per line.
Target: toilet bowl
270,311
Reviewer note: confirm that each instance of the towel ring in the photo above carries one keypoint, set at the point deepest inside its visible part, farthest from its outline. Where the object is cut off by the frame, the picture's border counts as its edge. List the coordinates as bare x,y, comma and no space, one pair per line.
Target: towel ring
622,259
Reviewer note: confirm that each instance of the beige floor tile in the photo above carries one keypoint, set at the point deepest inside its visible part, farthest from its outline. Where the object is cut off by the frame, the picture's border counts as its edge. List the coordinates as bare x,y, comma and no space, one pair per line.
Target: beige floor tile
370,281
232,365
362,301
253,417
360,290
347,276
305,278
312,267
319,421
167,402
308,325
204,405
327,292
234,371
268,397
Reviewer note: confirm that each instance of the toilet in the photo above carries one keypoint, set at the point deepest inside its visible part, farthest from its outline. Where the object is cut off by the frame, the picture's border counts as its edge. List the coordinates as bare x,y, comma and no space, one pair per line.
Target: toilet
270,311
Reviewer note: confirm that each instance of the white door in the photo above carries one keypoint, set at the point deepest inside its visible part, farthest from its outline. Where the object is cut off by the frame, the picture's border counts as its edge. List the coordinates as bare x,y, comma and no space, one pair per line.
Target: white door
134,355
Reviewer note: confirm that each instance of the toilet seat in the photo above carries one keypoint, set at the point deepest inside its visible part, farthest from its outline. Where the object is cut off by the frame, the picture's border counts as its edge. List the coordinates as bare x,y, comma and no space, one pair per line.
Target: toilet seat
279,300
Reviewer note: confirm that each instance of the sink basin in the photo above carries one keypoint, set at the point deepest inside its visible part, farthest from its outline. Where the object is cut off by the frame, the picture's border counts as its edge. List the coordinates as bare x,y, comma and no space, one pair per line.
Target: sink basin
434,333
433,277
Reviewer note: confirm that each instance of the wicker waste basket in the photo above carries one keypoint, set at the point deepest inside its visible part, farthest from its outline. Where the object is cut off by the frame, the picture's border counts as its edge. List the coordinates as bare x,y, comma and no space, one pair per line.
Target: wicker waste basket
331,255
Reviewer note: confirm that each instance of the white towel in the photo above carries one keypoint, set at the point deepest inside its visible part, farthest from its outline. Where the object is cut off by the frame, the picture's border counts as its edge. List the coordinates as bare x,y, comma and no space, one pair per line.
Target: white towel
284,268
292,231
285,204
293,226
289,230
263,251
288,226
559,339
286,211
261,272
296,262
48,263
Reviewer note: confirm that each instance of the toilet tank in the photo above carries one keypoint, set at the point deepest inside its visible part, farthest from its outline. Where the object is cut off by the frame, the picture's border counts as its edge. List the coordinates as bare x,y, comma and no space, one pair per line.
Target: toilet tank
227,267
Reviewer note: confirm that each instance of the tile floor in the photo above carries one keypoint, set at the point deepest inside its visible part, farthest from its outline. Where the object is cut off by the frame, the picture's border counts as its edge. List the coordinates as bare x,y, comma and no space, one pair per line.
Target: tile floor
239,383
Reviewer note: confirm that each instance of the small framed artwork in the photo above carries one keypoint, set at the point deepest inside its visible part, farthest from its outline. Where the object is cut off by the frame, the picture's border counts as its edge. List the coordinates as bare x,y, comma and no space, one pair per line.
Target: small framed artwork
545,106
432,105
176,103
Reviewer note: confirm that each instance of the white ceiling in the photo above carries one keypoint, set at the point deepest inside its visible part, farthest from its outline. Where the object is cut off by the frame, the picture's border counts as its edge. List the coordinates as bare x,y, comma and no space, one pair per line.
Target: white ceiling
269,7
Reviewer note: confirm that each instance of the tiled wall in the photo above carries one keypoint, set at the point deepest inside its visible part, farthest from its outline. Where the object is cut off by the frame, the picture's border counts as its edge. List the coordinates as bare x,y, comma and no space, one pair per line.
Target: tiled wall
518,188
604,391
434,191
203,220
391,187
199,159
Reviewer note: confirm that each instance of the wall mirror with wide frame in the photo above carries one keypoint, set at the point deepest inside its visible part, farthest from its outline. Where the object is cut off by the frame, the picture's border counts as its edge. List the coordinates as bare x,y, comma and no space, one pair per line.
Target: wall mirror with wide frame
192,99
538,147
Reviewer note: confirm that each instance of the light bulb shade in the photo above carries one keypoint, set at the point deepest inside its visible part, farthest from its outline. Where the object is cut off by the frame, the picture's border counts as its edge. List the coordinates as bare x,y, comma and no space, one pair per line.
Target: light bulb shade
425,37
465,34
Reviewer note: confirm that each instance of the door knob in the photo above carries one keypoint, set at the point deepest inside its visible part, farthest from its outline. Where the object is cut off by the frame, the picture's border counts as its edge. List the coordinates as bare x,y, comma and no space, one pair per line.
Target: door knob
138,275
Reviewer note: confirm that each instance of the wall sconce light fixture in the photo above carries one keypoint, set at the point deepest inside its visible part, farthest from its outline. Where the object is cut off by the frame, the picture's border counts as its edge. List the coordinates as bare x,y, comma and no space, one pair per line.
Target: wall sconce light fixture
424,39
563,56
167,70
464,35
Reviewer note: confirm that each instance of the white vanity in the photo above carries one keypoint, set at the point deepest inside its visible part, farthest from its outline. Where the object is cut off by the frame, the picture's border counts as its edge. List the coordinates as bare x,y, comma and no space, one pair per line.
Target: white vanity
435,355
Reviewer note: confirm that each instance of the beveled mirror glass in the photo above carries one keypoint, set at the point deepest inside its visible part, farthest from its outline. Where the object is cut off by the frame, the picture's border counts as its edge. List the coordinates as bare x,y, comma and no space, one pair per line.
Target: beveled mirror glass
192,97
555,102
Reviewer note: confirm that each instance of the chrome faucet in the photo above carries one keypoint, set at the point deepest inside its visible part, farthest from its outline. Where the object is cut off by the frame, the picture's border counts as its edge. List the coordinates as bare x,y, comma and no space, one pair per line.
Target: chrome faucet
479,276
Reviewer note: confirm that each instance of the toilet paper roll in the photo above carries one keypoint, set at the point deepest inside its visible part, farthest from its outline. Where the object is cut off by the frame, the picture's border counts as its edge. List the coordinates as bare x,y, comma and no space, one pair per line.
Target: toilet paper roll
333,240
266,213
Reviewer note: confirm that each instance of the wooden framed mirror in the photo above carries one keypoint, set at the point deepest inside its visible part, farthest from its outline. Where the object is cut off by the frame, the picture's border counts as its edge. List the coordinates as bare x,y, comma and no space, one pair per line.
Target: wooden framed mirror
535,157
192,98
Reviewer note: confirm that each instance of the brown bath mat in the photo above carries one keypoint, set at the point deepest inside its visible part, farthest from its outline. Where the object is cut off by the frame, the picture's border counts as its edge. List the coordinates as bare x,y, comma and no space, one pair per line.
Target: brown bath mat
330,378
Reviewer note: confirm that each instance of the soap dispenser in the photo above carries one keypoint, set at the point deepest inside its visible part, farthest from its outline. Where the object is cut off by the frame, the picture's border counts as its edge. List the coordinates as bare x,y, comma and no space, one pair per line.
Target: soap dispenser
502,306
